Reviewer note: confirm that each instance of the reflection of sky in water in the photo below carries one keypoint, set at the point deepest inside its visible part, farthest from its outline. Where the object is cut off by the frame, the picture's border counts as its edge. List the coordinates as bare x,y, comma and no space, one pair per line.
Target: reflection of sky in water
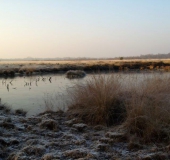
30,93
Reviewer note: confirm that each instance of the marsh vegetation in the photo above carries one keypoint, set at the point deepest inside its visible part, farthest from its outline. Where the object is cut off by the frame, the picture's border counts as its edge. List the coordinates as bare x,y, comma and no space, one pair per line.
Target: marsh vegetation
141,106
28,68
109,116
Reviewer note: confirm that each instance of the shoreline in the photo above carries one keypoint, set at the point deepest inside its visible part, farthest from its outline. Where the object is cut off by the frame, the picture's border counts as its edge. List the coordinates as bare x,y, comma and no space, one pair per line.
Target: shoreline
52,135
77,133
14,68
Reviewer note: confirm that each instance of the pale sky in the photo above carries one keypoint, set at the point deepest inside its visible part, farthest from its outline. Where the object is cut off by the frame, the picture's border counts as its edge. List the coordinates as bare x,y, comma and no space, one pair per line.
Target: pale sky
83,28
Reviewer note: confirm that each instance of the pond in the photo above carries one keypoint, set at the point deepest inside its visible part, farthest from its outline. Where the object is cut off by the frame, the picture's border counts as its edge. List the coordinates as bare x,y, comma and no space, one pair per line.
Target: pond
30,93
36,93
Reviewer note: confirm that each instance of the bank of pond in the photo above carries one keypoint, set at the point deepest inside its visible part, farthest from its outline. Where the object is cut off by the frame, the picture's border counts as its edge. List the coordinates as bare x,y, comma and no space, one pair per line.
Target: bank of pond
27,70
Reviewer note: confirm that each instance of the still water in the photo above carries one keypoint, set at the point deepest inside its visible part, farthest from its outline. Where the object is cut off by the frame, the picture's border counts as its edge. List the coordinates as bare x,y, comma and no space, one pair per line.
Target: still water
35,93
31,93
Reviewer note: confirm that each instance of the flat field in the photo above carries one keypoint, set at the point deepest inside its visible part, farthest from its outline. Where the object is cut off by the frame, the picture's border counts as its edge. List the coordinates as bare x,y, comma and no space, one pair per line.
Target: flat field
85,61
86,65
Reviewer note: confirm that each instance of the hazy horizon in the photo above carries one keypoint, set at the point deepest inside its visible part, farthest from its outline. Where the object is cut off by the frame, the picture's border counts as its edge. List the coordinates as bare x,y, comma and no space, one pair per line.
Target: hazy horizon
86,28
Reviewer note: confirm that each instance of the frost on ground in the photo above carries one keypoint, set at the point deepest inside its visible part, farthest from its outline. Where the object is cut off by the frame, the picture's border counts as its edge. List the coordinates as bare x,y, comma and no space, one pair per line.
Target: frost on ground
51,136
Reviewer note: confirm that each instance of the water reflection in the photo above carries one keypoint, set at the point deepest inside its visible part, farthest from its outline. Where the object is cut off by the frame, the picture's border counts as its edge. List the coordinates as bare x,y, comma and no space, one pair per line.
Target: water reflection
29,92
29,82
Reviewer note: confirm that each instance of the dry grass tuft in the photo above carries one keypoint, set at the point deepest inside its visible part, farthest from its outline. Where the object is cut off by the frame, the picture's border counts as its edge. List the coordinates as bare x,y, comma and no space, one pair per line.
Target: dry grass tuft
148,109
75,74
142,106
98,100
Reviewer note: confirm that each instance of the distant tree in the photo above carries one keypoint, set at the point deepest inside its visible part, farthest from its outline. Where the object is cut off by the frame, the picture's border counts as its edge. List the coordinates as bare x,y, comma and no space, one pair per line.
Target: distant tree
121,58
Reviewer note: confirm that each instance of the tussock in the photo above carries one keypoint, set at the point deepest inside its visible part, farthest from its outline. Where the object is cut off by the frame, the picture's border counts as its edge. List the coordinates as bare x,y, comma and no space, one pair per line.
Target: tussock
98,100
75,74
142,107
148,109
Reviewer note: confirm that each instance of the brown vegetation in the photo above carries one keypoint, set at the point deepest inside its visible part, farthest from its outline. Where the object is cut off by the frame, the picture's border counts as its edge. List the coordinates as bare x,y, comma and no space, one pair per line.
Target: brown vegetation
148,109
75,74
8,68
98,100
143,108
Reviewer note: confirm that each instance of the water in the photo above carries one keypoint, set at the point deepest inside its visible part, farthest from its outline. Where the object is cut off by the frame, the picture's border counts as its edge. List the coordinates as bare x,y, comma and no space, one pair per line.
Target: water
30,93
36,93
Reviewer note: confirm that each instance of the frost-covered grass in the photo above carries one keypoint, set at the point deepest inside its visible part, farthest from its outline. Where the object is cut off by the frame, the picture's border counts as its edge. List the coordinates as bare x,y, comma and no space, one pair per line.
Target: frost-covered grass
150,63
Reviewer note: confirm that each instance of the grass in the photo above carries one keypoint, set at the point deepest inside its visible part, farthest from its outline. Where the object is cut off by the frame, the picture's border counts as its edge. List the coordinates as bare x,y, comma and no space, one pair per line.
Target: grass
142,107
98,100
75,74
148,109
86,65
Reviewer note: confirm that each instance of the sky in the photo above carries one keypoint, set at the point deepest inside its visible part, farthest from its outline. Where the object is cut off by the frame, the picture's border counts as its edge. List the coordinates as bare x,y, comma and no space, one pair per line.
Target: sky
83,28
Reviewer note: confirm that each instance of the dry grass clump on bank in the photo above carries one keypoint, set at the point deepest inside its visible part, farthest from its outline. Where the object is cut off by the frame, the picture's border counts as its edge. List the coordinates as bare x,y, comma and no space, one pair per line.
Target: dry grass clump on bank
142,107
98,100
75,74
148,109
